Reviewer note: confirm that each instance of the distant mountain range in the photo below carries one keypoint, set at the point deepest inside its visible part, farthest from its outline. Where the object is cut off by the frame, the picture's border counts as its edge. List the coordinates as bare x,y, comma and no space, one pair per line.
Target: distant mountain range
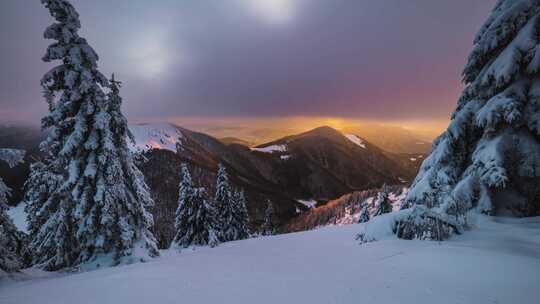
390,138
294,172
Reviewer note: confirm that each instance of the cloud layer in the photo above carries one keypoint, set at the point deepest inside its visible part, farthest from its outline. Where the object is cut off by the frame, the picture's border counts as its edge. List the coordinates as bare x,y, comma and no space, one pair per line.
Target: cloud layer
376,59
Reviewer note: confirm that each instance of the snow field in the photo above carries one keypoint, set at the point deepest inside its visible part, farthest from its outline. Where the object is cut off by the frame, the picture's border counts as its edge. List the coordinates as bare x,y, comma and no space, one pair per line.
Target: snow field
497,262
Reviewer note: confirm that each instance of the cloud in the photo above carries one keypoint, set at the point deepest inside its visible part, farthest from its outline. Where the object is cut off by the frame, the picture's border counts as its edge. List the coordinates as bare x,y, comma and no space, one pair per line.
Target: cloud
377,59
272,11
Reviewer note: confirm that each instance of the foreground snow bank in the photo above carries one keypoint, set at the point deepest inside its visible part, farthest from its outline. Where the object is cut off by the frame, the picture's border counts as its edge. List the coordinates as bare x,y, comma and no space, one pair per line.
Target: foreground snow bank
496,262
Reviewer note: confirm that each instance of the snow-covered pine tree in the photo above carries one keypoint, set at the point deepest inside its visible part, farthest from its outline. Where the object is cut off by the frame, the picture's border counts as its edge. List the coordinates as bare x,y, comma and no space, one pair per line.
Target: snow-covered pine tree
268,227
11,240
184,221
489,157
384,205
196,218
225,204
99,211
39,203
364,214
240,215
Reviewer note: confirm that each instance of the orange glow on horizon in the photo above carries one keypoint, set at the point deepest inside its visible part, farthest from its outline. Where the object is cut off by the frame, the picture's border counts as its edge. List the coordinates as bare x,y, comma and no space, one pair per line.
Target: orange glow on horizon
258,130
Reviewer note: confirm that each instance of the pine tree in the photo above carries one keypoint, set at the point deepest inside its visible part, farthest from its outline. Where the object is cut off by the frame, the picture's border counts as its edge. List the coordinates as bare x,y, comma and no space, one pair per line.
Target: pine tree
364,215
384,205
240,215
11,240
99,211
225,204
47,244
268,227
184,224
196,221
489,157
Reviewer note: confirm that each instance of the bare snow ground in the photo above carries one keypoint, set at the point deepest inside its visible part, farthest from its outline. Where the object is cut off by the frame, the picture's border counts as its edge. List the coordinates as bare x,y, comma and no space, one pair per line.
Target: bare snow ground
499,262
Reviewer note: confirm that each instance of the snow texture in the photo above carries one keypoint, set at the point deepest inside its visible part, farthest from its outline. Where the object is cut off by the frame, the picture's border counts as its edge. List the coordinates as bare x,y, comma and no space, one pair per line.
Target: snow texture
497,262
356,140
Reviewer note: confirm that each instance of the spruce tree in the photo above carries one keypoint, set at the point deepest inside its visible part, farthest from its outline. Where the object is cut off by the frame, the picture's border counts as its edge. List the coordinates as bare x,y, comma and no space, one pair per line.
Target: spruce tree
99,211
38,189
11,240
240,216
364,215
489,157
196,220
268,227
384,204
225,204
184,221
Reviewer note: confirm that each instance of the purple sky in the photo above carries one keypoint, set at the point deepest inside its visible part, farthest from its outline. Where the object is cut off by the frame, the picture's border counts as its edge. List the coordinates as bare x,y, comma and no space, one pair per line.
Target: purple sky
370,59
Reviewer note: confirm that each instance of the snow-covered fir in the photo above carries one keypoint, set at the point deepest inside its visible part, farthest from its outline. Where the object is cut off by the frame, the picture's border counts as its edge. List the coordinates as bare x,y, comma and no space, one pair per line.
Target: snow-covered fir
240,215
489,157
196,220
11,240
98,215
364,215
225,203
384,204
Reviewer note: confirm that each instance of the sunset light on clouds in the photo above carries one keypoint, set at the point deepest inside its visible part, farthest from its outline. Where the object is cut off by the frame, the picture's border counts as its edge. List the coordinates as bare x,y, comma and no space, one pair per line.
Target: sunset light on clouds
262,60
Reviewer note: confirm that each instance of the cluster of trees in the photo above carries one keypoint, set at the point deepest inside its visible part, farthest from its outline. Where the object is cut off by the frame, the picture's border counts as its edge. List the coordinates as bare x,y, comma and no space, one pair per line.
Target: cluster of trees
383,205
202,221
342,210
86,201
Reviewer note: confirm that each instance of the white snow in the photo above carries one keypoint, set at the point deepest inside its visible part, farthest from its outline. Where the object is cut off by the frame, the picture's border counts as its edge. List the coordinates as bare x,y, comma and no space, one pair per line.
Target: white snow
497,262
356,140
155,136
311,203
271,149
285,157
18,216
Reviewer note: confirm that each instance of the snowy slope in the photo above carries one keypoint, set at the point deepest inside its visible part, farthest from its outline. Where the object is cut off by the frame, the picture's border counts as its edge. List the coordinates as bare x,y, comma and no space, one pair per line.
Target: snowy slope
155,136
496,263
356,140
271,149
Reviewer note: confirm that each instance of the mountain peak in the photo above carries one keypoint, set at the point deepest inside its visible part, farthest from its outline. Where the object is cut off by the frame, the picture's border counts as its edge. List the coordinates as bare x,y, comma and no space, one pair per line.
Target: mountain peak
323,131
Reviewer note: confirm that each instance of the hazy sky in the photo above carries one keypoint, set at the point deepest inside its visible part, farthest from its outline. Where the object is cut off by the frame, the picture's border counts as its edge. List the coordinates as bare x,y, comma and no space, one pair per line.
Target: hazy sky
364,59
